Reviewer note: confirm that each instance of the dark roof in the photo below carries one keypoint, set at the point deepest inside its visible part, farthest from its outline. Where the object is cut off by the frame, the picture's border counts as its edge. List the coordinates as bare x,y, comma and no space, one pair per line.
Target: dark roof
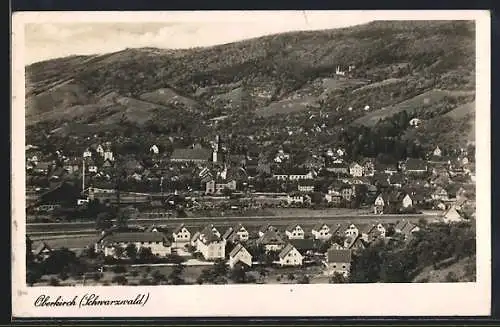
228,233
397,179
306,182
178,228
191,154
42,247
415,164
305,244
401,224
320,225
239,247
135,237
339,255
292,227
287,249
271,237
408,228
338,165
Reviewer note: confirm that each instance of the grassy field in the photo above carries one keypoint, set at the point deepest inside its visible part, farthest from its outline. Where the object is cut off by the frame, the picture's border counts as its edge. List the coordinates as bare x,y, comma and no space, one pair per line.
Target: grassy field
70,242
410,106
286,106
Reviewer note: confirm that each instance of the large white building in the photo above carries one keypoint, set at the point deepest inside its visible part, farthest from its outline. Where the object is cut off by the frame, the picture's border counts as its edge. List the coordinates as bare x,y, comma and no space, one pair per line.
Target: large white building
154,241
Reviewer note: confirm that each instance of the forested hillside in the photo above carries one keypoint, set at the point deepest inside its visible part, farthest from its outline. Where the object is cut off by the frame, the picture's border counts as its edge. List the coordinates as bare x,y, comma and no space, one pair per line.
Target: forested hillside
425,69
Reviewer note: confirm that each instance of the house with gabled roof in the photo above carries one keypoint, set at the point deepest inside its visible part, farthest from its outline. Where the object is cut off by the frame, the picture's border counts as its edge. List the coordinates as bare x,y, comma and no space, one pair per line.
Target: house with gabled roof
356,170
415,166
306,246
290,256
354,243
240,254
294,232
42,251
271,240
181,234
237,233
210,243
338,261
452,215
321,231
265,228
350,230
194,154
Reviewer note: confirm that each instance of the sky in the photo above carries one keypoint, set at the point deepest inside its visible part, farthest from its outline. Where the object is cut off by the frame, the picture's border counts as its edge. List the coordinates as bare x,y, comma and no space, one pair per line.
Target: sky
62,35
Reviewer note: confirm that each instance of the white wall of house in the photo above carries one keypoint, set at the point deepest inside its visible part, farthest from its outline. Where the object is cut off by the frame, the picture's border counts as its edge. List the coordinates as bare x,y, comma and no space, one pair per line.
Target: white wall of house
212,250
183,236
407,201
242,256
157,248
296,234
338,267
293,258
322,234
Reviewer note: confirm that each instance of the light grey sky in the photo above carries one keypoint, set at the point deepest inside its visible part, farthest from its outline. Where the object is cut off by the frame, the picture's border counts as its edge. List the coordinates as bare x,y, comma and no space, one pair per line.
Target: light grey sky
57,37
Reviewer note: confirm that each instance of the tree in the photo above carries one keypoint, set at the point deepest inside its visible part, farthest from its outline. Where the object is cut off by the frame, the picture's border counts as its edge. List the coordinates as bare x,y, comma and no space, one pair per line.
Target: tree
227,192
119,251
175,277
120,280
145,254
238,274
54,282
338,278
131,251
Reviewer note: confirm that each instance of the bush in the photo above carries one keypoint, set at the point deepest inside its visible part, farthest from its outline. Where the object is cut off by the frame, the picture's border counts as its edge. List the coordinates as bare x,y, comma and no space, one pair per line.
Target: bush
63,275
54,282
120,280
119,269
451,277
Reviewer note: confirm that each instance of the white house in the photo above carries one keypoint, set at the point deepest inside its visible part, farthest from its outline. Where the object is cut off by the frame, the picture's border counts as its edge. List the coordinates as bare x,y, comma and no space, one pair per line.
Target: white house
290,256
156,242
240,254
236,234
321,232
437,152
271,240
100,150
338,260
181,235
351,231
154,149
295,232
297,198
407,201
92,169
210,244
108,155
452,215
356,170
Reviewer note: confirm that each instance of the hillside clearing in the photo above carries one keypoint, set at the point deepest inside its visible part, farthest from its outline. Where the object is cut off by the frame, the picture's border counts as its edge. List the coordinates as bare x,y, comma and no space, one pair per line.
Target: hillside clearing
410,106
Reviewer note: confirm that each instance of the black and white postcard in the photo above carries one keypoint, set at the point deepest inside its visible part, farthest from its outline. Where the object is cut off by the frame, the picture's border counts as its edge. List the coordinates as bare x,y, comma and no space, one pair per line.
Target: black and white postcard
281,163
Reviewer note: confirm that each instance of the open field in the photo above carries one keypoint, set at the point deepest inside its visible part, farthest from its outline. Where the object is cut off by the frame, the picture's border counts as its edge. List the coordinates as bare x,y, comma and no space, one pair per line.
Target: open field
67,241
410,106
